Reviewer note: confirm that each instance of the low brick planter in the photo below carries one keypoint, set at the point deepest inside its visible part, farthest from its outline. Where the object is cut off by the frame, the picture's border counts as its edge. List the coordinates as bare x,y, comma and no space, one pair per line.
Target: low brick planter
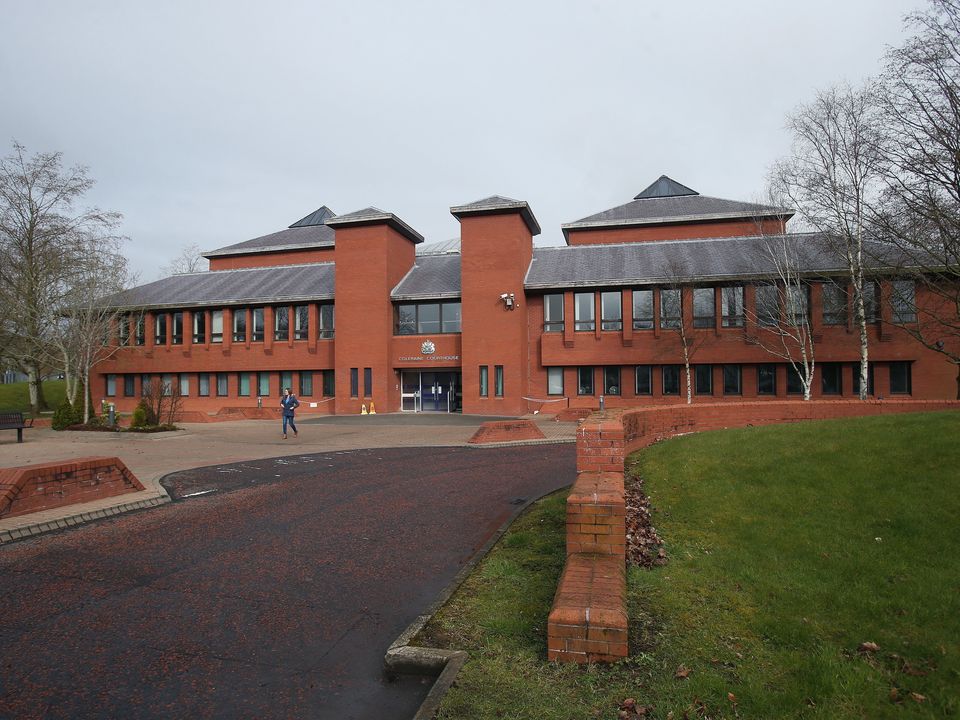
32,488
496,431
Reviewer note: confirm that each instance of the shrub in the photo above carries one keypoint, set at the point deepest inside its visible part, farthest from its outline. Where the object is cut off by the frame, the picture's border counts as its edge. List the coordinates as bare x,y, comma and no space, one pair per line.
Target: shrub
65,416
142,416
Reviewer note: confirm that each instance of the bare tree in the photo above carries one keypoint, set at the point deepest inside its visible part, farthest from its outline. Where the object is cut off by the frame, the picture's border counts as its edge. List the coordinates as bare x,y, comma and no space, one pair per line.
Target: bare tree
189,260
782,309
920,209
673,317
45,242
832,176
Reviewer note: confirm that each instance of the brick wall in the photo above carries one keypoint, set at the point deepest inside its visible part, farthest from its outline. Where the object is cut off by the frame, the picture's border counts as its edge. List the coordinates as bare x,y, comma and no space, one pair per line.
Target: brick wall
43,486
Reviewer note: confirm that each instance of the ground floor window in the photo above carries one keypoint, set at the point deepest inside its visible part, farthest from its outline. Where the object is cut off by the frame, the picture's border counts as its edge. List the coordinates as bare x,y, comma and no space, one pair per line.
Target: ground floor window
354,382
263,384
144,385
306,383
585,381
111,385
703,379
644,380
856,378
222,384
671,379
732,380
329,383
794,381
203,384
286,381
831,378
367,382
184,382
766,379
555,381
611,381
243,384
129,385
498,380
900,380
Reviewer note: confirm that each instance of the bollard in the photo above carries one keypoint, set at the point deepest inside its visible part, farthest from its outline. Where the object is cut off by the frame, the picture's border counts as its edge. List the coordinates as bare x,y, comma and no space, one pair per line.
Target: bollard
259,401
112,415
601,402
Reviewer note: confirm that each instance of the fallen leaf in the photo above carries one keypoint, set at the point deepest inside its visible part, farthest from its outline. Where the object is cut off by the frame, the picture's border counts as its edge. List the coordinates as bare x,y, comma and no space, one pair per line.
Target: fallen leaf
917,697
682,672
628,704
894,695
732,698
868,647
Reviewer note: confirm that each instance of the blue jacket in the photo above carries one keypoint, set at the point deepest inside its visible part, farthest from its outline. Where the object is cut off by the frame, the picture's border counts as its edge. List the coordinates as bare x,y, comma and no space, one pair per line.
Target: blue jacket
289,403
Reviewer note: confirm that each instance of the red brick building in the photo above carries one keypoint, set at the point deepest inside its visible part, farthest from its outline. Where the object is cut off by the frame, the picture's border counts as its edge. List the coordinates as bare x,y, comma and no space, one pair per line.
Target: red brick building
356,309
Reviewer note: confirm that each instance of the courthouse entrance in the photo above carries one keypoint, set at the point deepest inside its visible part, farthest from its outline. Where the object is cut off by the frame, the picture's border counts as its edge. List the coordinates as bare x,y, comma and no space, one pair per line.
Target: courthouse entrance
430,391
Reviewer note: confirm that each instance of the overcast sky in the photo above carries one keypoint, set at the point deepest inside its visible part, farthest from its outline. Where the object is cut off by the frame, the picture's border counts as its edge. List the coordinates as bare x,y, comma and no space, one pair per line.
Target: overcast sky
213,123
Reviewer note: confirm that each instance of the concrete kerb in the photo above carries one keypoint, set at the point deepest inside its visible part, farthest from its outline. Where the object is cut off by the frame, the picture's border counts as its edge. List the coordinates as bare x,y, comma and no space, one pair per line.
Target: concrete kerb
405,659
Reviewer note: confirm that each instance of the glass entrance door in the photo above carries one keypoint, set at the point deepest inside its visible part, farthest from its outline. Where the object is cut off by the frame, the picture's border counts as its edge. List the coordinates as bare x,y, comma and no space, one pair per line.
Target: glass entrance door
430,391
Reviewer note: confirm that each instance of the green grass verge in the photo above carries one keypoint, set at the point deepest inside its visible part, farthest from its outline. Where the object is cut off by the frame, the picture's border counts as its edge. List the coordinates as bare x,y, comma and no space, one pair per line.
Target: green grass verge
16,396
789,546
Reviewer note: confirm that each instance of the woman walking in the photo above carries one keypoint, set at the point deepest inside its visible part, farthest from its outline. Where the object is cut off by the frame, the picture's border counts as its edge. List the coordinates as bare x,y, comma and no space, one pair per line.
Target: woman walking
289,403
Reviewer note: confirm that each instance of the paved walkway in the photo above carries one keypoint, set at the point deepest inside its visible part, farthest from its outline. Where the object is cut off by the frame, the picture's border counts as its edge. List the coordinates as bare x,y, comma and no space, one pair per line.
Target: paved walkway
152,456
273,596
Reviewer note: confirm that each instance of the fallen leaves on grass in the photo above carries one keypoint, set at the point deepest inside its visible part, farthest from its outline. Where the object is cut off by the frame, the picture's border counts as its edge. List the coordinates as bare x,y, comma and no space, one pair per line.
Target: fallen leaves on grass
682,673
868,646
644,546
630,710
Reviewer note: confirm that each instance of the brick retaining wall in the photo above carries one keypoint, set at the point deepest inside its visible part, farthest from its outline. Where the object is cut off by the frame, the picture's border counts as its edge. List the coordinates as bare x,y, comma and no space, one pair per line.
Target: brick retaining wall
588,621
43,486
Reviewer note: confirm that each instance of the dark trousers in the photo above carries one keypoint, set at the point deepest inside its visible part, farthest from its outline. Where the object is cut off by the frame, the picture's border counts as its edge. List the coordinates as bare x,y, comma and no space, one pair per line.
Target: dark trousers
293,425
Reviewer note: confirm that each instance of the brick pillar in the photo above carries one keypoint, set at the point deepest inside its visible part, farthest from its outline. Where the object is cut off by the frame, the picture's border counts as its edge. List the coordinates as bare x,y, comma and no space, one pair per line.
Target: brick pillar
268,328
568,320
227,328
313,320
626,312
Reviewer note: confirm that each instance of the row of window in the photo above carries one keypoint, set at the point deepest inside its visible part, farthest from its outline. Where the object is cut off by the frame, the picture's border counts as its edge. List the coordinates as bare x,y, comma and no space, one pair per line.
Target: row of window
702,378
773,304
285,319
355,382
431,318
218,384
497,381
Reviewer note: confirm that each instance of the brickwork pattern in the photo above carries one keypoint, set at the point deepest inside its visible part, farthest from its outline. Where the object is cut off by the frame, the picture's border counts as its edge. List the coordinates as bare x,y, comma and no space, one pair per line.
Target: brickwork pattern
596,515
497,431
43,486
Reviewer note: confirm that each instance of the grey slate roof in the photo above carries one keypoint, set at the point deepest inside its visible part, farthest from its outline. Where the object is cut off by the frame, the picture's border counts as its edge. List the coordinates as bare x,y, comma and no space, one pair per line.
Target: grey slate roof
667,201
432,276
642,263
232,287
372,215
496,204
442,247
308,232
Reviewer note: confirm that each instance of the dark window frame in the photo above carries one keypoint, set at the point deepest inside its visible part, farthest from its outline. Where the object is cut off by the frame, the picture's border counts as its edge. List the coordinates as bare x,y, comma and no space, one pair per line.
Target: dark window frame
643,370
589,389
701,320
611,323
550,323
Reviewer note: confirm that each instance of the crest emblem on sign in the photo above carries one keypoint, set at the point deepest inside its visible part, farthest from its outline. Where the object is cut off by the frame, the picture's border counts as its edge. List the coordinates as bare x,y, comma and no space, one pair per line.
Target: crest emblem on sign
428,348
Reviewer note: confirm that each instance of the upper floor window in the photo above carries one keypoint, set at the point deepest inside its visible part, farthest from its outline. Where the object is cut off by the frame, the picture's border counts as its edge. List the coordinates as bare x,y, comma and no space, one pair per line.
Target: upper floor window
123,330
871,301
160,329
768,305
671,308
834,299
798,304
611,311
643,309
731,306
301,322
200,326
216,326
903,301
553,313
140,332
281,322
257,322
428,318
583,316
326,321
704,308
178,328
240,325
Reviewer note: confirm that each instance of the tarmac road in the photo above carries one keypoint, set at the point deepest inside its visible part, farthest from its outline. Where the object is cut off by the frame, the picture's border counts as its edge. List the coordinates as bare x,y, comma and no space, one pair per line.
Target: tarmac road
271,591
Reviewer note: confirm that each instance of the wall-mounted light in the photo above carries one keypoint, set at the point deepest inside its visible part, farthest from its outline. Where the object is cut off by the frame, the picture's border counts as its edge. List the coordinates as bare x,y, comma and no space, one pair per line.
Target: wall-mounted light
509,300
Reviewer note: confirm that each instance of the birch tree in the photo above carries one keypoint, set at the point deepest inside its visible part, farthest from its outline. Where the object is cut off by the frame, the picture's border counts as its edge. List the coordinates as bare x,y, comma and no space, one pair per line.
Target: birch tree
782,309
919,212
832,176
46,241
189,260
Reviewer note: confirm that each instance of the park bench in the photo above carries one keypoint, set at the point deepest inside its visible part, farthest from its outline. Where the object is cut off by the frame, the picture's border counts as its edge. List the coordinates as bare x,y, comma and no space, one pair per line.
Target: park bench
14,421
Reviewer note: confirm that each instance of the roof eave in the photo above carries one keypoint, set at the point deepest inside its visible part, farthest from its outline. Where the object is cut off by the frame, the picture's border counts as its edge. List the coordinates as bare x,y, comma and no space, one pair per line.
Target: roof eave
675,220
500,208
426,296
226,252
225,303
389,219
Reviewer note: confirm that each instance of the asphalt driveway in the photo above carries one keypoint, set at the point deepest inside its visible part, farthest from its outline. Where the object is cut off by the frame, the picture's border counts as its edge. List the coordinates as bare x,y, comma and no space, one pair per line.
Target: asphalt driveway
271,591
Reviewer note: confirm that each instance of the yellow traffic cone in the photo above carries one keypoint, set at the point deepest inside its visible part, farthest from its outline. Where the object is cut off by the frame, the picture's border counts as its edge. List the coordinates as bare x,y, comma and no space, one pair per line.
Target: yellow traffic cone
363,409
373,409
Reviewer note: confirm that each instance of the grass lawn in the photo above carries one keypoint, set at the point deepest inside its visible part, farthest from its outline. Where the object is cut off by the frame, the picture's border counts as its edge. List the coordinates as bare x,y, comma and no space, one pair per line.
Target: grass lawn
788,547
16,396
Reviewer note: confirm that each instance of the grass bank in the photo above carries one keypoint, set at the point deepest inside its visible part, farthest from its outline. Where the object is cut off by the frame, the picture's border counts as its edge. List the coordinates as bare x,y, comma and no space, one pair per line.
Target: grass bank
789,546
16,396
